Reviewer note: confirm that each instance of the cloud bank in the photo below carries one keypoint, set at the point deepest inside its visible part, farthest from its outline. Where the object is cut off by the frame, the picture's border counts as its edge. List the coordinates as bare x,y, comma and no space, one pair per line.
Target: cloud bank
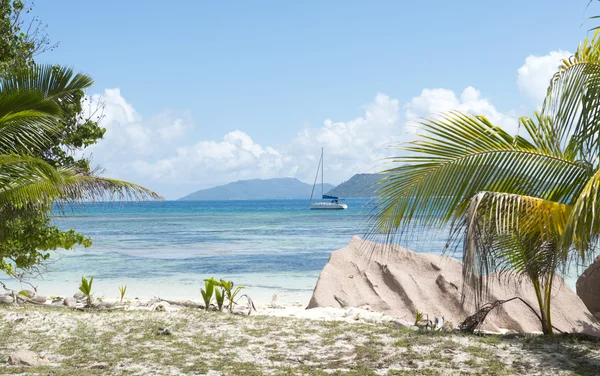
164,152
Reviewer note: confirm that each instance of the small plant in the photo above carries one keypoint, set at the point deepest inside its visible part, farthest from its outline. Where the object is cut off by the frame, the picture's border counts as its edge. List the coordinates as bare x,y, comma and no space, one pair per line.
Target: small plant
207,292
418,316
230,293
122,291
219,296
86,288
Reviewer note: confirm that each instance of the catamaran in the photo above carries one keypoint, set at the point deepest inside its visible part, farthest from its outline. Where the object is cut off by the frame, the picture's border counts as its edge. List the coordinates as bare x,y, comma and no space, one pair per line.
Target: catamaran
332,203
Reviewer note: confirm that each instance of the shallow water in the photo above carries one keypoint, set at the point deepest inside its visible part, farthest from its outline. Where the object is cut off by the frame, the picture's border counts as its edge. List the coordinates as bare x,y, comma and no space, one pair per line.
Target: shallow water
168,248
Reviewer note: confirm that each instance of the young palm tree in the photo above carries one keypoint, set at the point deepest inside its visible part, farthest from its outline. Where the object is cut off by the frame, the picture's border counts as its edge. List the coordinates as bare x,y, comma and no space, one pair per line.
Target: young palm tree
523,205
29,117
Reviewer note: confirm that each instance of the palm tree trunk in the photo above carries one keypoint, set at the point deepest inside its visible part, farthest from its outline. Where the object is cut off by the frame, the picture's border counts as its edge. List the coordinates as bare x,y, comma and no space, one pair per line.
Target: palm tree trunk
542,303
547,300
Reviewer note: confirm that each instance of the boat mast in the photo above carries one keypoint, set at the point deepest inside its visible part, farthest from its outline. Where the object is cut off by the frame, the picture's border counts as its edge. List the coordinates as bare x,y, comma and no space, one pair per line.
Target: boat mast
317,176
322,168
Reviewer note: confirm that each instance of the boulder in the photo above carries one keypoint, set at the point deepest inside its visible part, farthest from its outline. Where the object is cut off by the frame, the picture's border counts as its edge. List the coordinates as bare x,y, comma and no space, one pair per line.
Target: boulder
70,302
397,281
27,358
588,287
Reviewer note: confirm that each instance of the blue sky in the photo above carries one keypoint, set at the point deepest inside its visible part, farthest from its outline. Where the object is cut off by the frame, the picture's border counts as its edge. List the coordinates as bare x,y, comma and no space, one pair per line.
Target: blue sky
214,92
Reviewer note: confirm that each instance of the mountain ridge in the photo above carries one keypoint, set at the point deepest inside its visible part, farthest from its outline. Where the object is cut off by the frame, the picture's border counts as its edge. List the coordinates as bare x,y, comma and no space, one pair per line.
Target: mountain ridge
358,186
257,189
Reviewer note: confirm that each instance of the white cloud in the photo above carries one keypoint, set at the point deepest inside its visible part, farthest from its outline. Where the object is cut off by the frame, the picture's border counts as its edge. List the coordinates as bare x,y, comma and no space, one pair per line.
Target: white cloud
164,151
534,76
436,101
236,157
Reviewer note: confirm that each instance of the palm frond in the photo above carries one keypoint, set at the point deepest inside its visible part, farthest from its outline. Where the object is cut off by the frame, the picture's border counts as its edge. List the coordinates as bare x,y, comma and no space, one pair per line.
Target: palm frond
573,101
56,82
31,183
510,235
583,226
459,156
27,119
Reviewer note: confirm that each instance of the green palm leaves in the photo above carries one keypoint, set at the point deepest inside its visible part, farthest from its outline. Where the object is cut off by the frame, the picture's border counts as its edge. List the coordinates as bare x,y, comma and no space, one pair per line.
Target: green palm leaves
222,289
521,205
86,288
28,117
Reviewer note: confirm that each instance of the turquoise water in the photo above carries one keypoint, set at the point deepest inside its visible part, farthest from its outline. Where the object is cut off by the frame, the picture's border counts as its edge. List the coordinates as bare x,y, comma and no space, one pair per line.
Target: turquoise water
167,248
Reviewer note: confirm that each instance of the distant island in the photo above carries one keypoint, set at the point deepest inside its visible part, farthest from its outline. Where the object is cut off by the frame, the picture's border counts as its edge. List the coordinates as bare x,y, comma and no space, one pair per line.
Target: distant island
258,189
359,185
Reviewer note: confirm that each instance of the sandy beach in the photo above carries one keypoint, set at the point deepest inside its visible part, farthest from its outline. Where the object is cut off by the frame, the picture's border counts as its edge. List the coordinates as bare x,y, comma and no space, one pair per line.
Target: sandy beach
288,341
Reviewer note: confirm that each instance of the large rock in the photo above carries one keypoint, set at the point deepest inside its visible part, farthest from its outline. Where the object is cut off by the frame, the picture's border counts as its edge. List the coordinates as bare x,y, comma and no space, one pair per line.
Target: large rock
398,281
588,287
27,358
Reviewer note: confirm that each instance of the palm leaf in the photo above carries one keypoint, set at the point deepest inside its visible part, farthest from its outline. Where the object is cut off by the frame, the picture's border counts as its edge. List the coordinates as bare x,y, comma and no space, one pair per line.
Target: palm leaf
573,101
57,83
511,235
28,182
459,156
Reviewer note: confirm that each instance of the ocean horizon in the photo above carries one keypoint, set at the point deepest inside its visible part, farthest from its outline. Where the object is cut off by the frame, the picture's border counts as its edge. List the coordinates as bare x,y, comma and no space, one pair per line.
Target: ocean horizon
168,248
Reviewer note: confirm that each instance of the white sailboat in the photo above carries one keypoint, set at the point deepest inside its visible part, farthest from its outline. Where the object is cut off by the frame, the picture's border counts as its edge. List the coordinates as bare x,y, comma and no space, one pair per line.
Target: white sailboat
328,202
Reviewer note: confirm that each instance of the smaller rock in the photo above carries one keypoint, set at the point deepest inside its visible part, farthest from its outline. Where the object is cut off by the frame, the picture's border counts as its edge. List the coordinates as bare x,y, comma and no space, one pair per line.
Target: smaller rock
40,299
20,319
27,293
6,299
79,296
99,366
27,358
105,305
164,331
162,306
70,302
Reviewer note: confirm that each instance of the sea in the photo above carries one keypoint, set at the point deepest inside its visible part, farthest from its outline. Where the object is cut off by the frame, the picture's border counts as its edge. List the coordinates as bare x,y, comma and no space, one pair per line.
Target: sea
168,248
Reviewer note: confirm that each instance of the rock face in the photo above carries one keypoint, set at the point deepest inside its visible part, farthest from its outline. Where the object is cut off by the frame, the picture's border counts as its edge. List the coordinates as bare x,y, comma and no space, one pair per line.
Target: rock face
27,358
588,287
398,281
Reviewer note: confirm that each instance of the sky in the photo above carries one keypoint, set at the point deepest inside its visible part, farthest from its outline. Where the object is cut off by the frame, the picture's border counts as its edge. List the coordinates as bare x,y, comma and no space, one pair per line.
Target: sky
199,93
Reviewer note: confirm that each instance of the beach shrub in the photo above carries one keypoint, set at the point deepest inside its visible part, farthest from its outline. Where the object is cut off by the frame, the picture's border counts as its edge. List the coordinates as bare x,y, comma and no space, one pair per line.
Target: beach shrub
122,291
230,293
86,288
418,316
207,292
219,297
522,208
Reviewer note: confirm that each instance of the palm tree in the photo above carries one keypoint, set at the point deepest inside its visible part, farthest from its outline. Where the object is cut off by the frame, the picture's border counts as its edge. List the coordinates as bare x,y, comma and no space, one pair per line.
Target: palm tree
522,206
29,114
29,117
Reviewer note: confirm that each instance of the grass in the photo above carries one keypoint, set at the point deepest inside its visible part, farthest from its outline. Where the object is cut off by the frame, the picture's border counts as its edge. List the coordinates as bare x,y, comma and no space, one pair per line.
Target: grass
125,343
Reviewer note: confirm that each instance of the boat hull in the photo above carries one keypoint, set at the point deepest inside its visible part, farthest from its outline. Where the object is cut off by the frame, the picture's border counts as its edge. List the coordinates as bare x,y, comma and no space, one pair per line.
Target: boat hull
328,206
